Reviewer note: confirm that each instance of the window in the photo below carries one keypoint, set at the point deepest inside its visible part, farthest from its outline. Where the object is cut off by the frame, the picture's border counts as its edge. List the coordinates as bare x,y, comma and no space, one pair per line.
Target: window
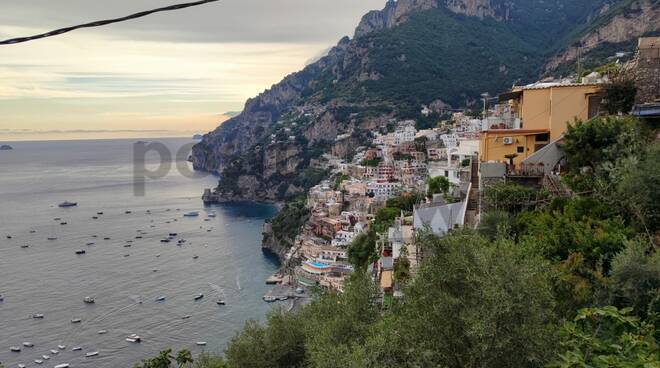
521,149
545,137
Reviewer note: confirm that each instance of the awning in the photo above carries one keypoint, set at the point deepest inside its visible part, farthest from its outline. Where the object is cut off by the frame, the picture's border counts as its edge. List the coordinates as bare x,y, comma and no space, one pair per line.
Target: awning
647,110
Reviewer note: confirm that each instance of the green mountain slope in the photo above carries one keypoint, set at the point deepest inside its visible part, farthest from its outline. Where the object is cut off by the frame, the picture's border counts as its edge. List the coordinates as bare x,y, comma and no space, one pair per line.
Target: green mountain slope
413,52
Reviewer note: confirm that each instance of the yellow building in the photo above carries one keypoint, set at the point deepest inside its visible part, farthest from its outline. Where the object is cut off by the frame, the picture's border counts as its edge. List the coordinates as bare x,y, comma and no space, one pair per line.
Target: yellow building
545,110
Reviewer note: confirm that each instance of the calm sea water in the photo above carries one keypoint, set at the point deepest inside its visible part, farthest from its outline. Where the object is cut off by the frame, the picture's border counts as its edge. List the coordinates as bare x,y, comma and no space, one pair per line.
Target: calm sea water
49,278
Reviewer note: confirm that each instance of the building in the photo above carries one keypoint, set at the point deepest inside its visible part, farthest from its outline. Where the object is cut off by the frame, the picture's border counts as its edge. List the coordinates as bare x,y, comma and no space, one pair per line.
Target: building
440,218
383,190
544,111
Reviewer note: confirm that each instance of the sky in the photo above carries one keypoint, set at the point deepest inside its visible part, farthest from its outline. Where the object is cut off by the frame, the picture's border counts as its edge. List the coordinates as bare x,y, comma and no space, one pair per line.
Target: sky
169,74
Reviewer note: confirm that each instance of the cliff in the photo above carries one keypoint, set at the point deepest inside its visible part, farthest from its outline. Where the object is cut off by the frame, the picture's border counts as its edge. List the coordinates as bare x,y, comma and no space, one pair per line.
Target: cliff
410,53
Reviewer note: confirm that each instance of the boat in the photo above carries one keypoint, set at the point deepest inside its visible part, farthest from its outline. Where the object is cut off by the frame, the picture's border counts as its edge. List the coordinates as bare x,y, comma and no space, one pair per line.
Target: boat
138,237
89,300
212,214
173,234
67,204
76,348
165,240
8,236
76,320
63,365
57,219
186,317
89,244
195,257
38,316
22,366
6,147
199,296
102,332
270,299
28,344
134,338
38,361
160,299
46,357
220,302
54,352
128,212
201,343
106,238
52,238
95,217
25,246
191,214
92,354
81,251
99,213
61,347
63,223
127,245
15,349
2,298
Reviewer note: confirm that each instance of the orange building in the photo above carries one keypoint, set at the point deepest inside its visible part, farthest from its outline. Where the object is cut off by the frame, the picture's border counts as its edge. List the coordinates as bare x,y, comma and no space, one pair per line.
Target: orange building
545,110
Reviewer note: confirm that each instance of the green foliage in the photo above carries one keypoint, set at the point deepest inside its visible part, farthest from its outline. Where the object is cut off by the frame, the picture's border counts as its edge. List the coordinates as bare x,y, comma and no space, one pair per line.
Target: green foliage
636,276
496,224
437,185
593,145
405,201
511,198
620,92
362,251
339,180
289,220
209,361
372,163
608,337
165,359
466,308
385,218
310,177
579,226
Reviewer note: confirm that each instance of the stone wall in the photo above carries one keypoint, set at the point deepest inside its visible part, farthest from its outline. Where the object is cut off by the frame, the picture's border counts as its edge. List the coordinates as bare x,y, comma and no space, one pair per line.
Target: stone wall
648,70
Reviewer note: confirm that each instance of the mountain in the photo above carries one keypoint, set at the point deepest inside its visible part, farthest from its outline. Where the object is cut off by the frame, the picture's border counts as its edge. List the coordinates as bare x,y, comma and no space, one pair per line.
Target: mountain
439,53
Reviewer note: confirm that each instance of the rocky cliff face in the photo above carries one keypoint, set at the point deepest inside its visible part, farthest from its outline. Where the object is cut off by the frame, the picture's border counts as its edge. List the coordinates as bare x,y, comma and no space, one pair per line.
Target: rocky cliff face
616,25
412,52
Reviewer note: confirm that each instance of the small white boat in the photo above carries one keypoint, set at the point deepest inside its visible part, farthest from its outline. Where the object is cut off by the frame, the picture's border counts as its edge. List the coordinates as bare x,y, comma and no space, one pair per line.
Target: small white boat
54,352
38,361
89,300
134,338
61,347
220,302
64,365
102,332
46,357
38,316
76,320
76,348
160,299
92,354
201,343
22,366
28,344
199,296
191,214
195,257
212,214
15,349
67,204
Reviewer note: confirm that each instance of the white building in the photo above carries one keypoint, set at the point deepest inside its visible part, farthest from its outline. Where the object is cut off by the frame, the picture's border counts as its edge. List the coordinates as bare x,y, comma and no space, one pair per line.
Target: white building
383,190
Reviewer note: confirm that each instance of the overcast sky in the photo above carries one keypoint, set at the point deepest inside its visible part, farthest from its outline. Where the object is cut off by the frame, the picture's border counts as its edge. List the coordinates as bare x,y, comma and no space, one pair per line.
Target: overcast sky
174,72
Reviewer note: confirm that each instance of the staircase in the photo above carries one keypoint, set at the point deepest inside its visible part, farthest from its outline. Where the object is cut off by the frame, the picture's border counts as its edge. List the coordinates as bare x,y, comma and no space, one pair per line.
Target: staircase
473,198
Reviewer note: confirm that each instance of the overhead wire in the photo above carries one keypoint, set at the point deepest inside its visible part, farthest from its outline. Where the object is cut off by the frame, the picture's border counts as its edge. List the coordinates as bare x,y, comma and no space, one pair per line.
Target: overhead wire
100,23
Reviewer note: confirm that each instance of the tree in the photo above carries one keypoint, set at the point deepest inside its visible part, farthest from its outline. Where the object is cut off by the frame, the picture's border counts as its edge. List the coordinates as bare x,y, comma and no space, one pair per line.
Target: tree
607,337
209,361
590,146
436,185
511,198
165,359
466,308
362,251
494,224
636,276
620,92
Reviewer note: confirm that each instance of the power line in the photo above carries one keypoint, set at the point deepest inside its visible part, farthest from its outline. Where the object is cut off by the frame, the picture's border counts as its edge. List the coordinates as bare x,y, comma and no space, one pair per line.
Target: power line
104,22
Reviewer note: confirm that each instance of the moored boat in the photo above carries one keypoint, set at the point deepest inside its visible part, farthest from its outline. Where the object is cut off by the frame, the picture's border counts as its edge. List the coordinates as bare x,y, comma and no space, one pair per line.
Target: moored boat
15,349
76,348
67,204
191,214
28,344
38,316
89,300
92,354
199,296
134,338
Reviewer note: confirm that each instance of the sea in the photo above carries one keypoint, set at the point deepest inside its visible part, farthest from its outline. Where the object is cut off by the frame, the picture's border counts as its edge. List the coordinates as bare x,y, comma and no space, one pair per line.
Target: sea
125,206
